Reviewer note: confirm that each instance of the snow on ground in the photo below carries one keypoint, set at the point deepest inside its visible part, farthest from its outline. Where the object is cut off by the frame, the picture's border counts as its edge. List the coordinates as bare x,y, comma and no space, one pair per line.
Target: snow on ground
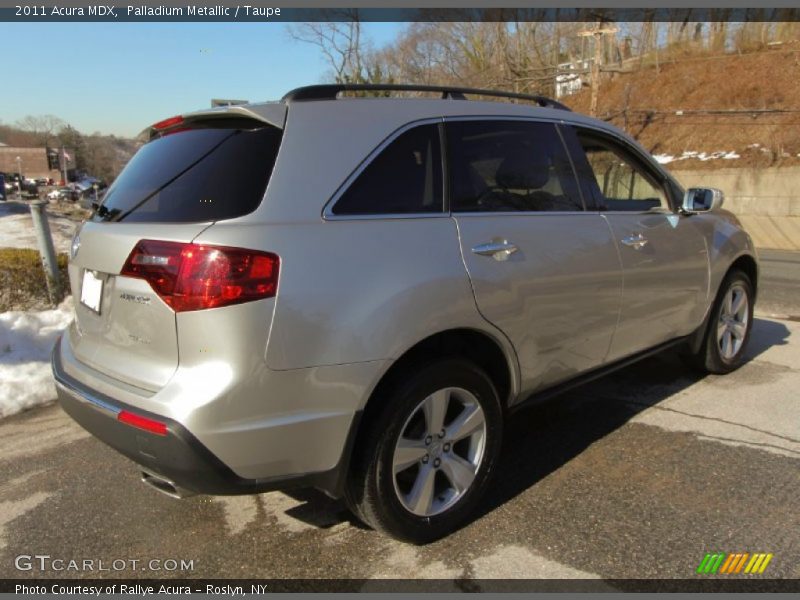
26,339
721,154
16,228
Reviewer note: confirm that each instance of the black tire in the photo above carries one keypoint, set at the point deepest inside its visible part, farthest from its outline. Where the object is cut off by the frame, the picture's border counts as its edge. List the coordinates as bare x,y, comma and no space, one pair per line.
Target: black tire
372,492
709,358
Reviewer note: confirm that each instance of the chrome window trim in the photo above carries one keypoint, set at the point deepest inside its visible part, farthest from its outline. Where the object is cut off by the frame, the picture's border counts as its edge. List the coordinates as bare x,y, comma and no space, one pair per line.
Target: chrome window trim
385,216
328,215
521,213
327,210
662,210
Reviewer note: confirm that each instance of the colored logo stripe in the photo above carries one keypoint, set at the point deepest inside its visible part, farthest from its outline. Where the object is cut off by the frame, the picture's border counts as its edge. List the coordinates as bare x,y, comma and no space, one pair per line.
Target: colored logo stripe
734,563
711,563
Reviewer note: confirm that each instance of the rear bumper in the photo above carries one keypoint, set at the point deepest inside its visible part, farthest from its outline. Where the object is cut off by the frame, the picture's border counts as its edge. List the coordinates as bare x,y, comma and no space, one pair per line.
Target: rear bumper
177,456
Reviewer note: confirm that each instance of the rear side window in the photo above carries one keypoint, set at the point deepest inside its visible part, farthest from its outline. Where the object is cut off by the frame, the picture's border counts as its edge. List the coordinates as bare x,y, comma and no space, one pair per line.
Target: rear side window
405,178
507,166
194,176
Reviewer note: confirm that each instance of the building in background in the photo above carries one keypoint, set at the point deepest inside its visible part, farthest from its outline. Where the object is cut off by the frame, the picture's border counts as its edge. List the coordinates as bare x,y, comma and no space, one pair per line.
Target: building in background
570,83
34,162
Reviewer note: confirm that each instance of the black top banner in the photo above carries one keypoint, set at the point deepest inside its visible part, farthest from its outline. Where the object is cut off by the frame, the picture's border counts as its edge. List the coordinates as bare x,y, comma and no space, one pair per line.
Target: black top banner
49,11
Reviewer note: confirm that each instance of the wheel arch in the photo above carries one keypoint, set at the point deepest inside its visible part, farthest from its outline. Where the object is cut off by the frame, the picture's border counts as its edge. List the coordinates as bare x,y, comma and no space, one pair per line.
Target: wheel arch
748,265
479,347
496,358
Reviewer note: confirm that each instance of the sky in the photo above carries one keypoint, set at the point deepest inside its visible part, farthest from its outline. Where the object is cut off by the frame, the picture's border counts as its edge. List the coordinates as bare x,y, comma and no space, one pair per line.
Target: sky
118,78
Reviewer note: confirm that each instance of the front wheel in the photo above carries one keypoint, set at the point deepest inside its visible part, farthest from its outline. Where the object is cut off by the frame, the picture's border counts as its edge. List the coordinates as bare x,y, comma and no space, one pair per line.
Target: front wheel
730,322
428,456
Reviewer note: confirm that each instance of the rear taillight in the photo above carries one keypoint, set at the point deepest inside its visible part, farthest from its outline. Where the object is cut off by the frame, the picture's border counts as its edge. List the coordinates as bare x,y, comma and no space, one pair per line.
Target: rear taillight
194,277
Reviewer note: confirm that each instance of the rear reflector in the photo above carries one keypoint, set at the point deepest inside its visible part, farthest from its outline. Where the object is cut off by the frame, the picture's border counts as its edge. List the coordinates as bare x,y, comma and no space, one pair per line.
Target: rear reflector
142,422
195,277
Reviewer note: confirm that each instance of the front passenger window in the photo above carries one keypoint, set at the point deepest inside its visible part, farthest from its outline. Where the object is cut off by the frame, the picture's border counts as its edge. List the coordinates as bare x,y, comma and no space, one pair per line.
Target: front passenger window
620,182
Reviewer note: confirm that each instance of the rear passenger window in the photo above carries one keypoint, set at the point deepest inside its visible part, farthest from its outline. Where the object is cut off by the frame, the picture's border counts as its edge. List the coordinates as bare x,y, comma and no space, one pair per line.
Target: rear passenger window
500,166
405,178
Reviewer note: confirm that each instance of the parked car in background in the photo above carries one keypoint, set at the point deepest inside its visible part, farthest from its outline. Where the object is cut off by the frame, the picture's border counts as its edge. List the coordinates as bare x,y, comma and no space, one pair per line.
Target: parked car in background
12,182
58,194
64,193
416,271
29,189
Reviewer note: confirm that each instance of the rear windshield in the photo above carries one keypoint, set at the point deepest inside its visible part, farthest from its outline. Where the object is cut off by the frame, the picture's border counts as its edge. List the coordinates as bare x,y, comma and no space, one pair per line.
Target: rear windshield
193,176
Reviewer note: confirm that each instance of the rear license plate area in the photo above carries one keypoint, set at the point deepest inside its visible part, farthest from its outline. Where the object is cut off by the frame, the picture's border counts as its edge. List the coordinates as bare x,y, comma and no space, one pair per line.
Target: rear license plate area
91,291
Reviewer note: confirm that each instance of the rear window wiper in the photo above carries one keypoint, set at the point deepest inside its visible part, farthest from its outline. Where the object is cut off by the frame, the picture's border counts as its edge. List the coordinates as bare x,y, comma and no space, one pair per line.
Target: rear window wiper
103,212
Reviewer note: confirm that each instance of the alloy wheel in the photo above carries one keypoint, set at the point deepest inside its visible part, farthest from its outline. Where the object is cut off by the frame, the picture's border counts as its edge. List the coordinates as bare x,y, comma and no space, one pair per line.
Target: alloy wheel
439,451
733,320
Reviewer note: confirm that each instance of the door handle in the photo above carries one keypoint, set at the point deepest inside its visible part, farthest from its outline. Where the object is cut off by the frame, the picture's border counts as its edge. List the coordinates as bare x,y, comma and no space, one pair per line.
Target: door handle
637,241
497,249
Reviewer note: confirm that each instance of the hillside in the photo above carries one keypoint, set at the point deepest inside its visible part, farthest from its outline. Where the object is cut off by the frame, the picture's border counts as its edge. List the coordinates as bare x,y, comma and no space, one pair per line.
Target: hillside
714,94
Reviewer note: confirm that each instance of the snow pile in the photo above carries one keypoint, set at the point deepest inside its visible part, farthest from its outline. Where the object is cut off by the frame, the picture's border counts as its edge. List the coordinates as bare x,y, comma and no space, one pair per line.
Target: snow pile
26,340
721,154
664,158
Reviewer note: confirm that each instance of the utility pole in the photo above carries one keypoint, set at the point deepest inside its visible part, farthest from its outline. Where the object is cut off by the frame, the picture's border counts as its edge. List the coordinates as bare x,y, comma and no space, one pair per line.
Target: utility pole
47,252
597,32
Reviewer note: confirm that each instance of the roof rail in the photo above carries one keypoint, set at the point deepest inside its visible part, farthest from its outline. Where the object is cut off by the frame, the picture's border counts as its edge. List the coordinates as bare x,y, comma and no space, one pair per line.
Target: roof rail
331,92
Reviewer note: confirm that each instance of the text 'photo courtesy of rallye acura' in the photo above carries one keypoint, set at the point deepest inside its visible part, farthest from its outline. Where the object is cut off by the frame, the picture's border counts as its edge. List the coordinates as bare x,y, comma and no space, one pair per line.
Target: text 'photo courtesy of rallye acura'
354,293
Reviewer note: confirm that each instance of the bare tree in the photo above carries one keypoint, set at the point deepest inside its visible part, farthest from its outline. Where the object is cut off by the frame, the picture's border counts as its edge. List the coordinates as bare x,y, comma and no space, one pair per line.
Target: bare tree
44,127
340,41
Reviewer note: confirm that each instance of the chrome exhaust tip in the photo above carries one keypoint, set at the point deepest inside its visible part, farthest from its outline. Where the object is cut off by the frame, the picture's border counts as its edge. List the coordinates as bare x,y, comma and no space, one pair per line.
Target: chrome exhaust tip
165,486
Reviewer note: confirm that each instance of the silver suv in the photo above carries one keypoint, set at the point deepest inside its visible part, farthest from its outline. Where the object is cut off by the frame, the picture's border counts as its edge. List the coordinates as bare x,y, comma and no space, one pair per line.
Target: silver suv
354,293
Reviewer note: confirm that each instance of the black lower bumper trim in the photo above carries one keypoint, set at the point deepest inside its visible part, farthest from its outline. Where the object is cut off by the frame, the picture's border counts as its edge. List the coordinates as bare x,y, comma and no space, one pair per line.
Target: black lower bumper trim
177,456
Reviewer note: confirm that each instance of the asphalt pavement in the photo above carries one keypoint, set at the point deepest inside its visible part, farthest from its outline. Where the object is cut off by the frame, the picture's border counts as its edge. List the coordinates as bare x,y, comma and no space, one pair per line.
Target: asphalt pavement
779,283
637,475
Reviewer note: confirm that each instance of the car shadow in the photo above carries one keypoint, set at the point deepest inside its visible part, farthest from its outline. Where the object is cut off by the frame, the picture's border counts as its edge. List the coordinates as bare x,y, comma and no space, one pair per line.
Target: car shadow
764,335
542,438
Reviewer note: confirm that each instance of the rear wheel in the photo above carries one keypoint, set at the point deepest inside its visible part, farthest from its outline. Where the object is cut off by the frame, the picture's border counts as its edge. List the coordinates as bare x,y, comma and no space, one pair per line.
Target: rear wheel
428,456
728,331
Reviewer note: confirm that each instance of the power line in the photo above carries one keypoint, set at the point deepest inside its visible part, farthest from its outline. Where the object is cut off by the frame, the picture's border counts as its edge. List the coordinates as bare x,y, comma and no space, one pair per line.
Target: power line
715,111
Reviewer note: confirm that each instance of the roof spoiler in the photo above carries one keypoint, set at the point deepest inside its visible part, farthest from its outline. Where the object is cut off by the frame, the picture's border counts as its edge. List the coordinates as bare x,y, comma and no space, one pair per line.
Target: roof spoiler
271,113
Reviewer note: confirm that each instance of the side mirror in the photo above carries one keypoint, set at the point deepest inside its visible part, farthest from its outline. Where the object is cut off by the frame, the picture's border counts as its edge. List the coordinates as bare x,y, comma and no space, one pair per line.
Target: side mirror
700,200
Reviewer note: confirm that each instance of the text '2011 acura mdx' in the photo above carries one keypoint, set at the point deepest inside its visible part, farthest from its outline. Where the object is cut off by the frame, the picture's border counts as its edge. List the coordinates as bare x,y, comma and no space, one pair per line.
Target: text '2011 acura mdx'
354,293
